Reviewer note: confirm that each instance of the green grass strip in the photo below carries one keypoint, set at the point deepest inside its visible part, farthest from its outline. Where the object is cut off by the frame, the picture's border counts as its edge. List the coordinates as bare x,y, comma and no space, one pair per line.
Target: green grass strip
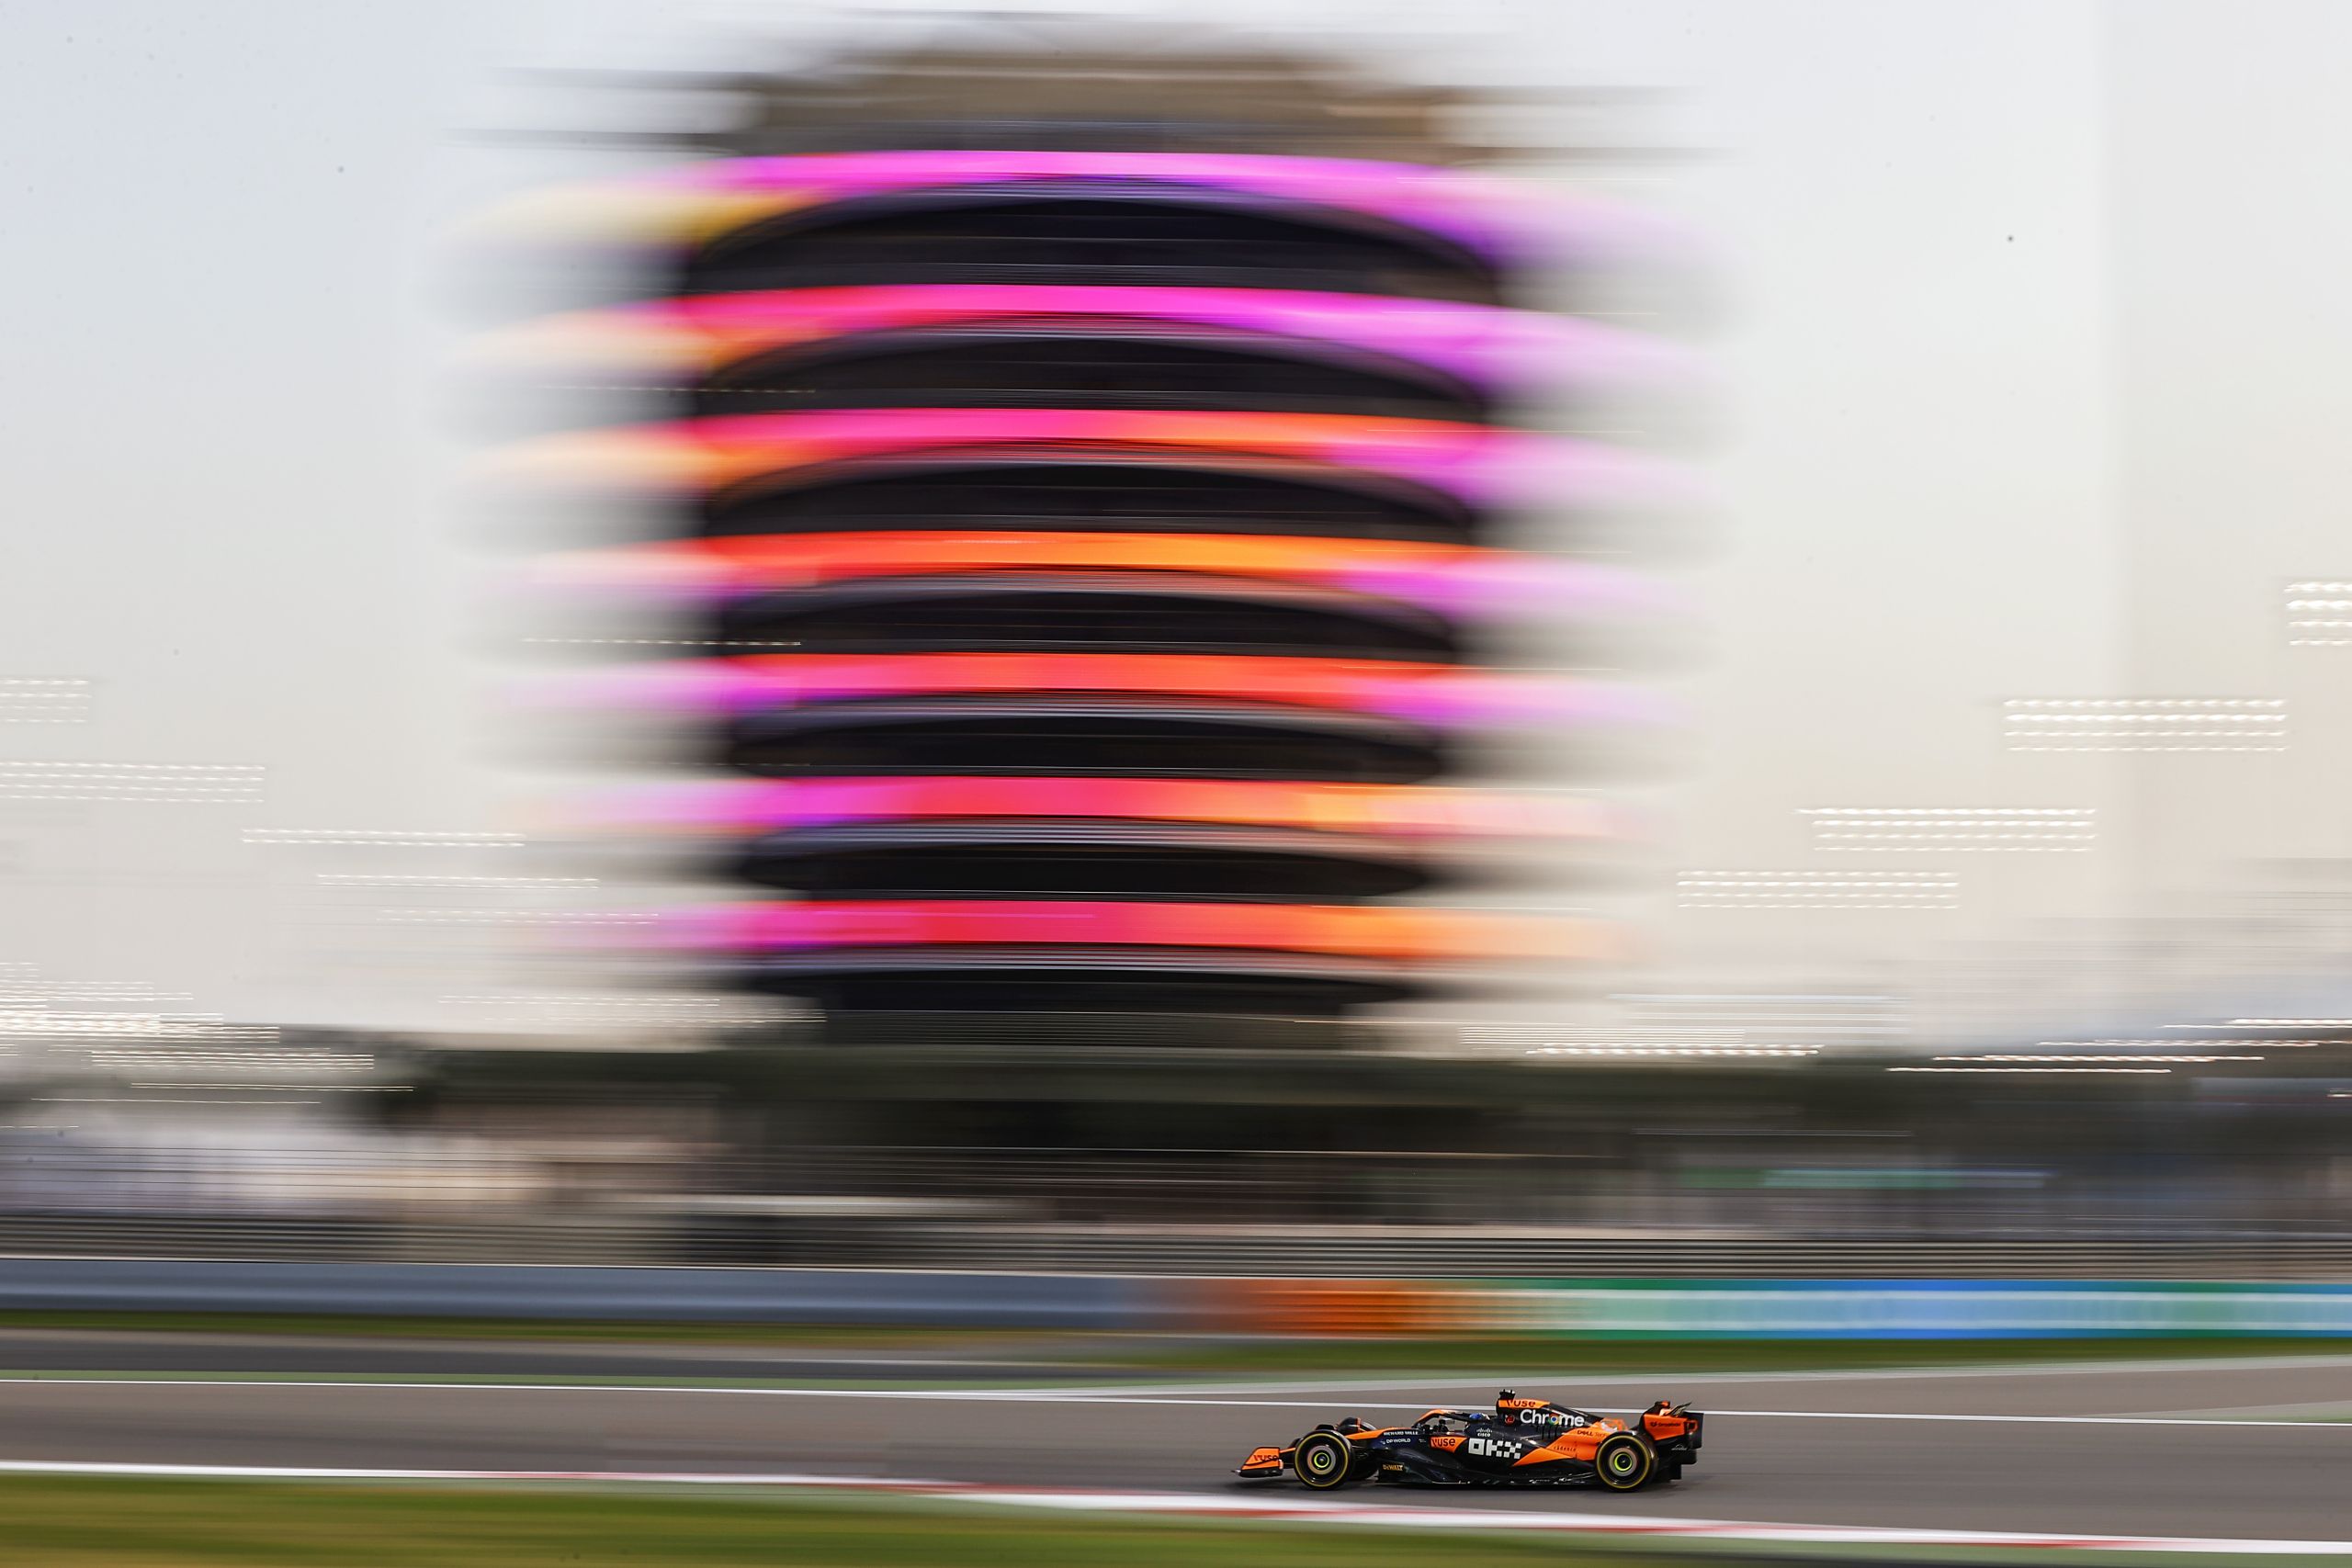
110,1522
76,1522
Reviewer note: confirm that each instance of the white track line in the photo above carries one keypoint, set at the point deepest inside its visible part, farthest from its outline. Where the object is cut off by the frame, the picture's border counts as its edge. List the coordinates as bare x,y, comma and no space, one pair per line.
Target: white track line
971,1396
2039,1420
1082,1397
1293,1510
1688,1375
1179,1392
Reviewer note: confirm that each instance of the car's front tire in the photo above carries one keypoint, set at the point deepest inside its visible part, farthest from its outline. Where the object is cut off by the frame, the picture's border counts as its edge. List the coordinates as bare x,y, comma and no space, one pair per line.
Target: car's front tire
1623,1463
1322,1461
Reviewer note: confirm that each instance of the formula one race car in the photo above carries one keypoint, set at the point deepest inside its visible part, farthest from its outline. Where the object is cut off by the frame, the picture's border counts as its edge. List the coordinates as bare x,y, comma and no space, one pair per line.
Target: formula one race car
1520,1443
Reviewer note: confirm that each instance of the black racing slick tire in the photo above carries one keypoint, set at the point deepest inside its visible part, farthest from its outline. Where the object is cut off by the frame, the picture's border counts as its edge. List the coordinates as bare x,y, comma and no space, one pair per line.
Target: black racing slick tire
1623,1463
1322,1461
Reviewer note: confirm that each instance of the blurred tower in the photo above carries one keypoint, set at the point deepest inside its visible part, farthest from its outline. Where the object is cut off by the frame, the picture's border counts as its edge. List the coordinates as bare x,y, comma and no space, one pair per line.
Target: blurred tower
1085,480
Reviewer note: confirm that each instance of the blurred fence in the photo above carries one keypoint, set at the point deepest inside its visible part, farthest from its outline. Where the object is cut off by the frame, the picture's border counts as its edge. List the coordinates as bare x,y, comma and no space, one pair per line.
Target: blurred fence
1332,1215
851,1238
652,1295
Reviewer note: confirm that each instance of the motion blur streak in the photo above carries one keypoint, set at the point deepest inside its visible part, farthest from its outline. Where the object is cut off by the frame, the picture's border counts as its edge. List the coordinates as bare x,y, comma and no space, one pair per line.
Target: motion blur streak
1127,742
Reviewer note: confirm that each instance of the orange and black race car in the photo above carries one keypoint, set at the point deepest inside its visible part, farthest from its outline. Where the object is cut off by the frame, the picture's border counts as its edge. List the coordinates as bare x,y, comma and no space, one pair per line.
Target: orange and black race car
1520,1443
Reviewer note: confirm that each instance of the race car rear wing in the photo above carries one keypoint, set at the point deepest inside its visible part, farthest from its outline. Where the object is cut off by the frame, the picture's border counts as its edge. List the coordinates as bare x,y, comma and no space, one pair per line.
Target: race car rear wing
1665,1424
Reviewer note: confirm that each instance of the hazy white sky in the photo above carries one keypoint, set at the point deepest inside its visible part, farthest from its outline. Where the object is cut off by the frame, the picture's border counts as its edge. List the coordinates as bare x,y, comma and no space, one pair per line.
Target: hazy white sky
2030,387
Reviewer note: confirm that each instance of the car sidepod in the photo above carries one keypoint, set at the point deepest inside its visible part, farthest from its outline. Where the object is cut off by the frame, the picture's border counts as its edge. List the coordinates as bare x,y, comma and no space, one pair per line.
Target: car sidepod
1494,1454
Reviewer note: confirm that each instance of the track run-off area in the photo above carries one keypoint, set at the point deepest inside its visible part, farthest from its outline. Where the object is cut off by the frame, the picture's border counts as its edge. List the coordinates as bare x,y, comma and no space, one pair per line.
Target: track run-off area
2243,1456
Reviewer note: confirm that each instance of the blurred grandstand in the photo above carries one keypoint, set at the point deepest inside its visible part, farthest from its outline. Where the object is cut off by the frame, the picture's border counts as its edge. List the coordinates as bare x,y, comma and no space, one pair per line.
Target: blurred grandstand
2213,1151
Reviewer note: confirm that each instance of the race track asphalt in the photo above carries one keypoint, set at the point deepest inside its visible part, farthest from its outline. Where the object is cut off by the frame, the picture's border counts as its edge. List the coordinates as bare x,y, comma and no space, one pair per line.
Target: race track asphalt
2116,1449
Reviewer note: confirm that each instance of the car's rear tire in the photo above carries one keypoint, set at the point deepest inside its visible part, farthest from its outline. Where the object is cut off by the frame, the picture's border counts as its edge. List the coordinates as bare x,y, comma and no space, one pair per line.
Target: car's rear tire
1623,1463
1323,1460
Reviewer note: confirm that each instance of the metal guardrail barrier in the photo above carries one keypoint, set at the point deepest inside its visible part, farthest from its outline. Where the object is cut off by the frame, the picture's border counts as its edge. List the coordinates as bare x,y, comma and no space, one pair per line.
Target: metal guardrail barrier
490,1290
1570,1308
854,1241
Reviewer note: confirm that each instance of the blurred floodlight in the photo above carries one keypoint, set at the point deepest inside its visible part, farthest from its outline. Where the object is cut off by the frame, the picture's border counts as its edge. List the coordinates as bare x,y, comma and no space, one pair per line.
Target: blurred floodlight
2145,724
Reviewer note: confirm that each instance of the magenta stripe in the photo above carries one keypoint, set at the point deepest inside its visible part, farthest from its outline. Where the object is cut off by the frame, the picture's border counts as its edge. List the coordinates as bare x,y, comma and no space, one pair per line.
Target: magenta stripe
1496,221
